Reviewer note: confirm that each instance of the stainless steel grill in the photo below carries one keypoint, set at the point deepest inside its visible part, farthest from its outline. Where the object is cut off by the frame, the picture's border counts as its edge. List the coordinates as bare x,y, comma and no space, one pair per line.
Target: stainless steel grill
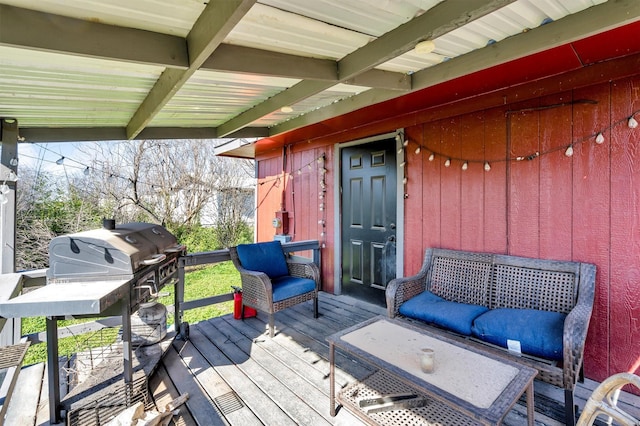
118,253
108,271
144,254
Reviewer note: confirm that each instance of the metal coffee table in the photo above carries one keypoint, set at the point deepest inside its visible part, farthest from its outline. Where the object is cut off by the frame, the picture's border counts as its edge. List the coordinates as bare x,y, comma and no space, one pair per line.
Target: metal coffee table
467,387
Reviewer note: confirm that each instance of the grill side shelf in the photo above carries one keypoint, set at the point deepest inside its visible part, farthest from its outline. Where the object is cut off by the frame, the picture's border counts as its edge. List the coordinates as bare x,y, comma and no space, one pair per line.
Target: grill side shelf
78,298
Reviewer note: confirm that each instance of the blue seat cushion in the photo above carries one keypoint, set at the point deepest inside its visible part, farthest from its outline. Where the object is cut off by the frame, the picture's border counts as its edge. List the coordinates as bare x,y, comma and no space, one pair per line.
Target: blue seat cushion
539,332
263,257
434,309
287,287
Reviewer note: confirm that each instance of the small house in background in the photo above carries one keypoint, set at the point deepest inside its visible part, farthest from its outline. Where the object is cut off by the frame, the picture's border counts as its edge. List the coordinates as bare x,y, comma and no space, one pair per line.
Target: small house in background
537,156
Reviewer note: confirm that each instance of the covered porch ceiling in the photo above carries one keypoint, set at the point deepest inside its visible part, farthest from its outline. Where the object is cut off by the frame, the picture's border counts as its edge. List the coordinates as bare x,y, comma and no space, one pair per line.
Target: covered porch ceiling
232,70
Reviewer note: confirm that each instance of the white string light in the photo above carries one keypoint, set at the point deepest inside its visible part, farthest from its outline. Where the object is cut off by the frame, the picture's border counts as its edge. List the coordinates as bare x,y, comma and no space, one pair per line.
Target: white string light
597,137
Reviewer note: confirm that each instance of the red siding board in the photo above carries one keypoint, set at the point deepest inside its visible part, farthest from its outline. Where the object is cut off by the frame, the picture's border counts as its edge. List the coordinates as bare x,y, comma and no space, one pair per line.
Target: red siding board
556,184
450,201
270,186
413,223
495,182
624,311
432,187
472,182
591,203
523,188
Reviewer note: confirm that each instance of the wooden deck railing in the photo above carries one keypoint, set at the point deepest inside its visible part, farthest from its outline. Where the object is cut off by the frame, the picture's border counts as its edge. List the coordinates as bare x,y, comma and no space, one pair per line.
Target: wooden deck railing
212,257
16,282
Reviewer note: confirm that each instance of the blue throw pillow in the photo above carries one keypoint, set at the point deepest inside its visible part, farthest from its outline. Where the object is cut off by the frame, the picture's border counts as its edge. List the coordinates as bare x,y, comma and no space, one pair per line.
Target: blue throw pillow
287,287
434,309
539,332
264,257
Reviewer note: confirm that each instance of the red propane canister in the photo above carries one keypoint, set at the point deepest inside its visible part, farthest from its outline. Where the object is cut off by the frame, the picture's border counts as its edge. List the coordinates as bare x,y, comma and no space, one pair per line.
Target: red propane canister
237,305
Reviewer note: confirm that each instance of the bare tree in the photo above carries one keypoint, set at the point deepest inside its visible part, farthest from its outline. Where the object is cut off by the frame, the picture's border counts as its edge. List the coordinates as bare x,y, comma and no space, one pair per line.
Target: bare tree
176,183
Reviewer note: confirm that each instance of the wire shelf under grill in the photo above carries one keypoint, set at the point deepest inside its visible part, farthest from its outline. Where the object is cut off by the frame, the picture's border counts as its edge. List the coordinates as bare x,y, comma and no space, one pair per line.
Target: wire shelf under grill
101,410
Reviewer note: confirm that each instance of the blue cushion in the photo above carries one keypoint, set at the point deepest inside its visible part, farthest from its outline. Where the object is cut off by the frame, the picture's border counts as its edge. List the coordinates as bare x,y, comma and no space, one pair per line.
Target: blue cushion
264,257
287,286
433,309
539,332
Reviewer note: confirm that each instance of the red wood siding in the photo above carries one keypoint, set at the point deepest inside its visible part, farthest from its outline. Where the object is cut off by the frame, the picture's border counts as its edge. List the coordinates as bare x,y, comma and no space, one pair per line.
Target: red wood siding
584,207
301,185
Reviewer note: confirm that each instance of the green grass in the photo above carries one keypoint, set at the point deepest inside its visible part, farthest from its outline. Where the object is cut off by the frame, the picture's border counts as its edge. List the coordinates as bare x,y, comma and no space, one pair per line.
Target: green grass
199,283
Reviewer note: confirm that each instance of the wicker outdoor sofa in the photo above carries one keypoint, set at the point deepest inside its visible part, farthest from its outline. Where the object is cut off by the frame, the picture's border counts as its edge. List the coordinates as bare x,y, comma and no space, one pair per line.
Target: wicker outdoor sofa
540,308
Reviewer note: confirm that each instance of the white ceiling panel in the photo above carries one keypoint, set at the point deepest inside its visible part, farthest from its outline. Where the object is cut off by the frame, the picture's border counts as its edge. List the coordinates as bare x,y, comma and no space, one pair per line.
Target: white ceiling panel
45,89
174,17
148,65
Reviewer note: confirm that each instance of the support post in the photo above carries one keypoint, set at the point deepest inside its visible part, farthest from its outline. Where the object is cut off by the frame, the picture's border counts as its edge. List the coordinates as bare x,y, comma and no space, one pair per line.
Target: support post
8,178
10,331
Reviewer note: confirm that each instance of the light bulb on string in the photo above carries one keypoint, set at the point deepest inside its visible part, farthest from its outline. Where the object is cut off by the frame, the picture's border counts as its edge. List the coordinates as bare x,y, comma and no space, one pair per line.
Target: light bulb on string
417,151
432,156
87,171
402,164
4,188
600,138
447,163
399,137
405,143
569,151
465,165
632,123
60,160
400,150
405,180
487,166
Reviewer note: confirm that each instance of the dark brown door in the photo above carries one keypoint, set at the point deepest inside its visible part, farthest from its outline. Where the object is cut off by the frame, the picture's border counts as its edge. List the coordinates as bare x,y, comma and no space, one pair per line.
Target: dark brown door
368,200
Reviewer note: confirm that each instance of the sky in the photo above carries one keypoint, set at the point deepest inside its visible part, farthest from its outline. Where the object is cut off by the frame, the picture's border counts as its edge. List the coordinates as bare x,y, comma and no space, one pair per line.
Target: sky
44,157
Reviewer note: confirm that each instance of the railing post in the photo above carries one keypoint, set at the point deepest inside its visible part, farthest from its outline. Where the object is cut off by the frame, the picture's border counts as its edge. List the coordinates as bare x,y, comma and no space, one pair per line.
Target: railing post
53,369
179,300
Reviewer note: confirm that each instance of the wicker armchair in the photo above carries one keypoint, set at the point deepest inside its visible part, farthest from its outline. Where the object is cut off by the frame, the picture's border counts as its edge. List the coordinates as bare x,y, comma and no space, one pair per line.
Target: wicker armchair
604,402
271,281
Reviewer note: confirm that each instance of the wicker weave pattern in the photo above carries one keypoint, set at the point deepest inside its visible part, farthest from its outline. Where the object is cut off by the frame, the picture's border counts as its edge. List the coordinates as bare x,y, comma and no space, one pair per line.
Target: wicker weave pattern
460,280
527,288
382,383
257,291
512,282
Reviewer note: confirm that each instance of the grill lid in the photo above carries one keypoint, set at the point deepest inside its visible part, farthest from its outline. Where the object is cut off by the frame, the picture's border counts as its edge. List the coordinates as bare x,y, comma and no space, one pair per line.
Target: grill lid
111,253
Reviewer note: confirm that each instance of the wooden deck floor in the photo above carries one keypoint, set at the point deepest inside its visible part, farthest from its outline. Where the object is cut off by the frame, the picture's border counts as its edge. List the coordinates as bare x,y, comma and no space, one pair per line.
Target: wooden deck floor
236,375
